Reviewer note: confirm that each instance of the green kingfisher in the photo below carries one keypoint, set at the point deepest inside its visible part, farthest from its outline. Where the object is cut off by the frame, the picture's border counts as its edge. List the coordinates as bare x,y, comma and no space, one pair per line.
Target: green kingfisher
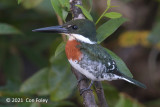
85,54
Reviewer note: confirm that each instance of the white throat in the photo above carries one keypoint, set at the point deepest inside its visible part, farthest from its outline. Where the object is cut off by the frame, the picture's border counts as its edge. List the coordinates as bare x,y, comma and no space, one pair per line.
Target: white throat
80,38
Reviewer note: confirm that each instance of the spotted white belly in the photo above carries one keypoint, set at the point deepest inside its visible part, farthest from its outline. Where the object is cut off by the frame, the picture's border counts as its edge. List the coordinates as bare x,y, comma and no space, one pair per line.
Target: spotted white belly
81,70
106,76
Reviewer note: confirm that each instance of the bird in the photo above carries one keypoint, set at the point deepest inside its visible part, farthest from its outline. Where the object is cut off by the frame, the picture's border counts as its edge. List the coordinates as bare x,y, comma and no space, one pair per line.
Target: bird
86,55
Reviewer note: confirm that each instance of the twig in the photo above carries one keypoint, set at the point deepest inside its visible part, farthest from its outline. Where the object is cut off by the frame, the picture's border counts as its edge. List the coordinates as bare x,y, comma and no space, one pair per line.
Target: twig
100,94
88,97
102,15
60,22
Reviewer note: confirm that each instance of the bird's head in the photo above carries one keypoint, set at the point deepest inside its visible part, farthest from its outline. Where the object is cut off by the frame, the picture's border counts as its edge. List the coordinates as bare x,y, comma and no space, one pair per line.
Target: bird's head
81,29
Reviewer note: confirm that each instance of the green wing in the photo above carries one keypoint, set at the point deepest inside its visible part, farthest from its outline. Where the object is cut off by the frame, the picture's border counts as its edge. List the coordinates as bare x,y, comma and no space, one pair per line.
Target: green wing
104,54
98,52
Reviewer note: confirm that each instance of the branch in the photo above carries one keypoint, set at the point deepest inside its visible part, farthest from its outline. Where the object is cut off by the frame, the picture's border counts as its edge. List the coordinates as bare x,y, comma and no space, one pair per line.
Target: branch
100,94
60,21
76,11
88,97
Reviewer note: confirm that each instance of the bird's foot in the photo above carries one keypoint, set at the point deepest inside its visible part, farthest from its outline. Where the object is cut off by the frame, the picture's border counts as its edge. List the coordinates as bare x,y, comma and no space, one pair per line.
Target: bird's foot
81,79
85,89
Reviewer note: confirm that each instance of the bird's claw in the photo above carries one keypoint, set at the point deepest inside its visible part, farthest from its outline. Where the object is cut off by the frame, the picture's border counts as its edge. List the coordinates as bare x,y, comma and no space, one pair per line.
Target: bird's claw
78,81
85,89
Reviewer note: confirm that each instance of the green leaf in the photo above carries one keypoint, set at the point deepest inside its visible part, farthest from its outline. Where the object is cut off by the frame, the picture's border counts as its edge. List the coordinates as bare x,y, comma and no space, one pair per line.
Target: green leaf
6,29
61,7
37,84
113,15
85,12
19,1
61,80
65,4
126,101
108,28
60,48
154,36
28,4
113,96
64,14
120,64
57,7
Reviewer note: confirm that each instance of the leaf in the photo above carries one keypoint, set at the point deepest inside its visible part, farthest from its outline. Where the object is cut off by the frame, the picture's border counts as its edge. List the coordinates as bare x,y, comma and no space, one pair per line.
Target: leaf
113,15
61,81
116,99
127,101
108,28
60,48
61,7
57,7
85,12
28,4
111,94
37,84
19,1
6,29
65,4
64,14
120,64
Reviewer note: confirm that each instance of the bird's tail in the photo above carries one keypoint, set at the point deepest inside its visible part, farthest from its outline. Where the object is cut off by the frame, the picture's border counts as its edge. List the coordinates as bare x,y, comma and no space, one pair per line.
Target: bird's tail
133,81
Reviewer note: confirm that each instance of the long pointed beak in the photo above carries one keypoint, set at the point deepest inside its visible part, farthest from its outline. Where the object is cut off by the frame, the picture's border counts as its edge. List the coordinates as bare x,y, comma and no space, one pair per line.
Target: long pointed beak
52,29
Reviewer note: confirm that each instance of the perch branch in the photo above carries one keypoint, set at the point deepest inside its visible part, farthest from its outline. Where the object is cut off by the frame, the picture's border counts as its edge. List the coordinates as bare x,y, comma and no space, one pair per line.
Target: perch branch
100,94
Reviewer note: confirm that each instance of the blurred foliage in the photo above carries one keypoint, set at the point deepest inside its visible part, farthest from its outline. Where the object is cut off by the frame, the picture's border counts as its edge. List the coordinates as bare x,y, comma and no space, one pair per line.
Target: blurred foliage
132,38
30,3
126,101
23,52
8,29
113,15
143,38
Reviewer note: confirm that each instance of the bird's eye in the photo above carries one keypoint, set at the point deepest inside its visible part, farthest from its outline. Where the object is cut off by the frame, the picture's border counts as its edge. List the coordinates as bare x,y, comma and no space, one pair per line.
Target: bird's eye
74,27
